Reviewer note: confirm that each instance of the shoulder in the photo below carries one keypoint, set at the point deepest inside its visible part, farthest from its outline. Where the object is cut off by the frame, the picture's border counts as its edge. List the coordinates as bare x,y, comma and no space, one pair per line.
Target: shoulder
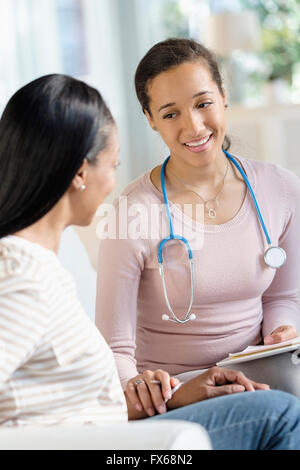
279,190
275,179
140,191
124,229
24,267
18,269
270,169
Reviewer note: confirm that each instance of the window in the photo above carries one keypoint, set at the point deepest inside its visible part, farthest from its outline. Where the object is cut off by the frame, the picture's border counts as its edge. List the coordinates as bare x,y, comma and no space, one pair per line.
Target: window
40,37
72,40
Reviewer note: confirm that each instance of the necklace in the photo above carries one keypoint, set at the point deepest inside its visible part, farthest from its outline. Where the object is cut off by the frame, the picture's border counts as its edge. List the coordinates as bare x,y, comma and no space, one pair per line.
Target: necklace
211,204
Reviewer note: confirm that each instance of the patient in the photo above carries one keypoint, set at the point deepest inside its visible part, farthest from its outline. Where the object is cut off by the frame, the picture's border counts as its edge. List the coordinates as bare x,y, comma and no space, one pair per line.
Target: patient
58,153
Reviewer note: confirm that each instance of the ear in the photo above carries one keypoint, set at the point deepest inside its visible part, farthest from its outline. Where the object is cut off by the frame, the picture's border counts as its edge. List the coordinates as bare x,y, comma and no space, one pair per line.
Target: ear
150,120
80,178
224,97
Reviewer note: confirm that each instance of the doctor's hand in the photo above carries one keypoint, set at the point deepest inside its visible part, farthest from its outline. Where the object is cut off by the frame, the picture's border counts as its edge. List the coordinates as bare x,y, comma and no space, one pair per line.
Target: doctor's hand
213,383
282,333
147,391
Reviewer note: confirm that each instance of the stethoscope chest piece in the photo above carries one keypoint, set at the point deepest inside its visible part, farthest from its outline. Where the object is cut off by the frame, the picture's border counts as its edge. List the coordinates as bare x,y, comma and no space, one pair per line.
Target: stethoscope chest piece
275,257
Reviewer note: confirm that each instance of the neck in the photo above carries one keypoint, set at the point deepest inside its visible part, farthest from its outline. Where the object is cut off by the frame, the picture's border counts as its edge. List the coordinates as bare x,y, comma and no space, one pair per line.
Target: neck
47,231
208,175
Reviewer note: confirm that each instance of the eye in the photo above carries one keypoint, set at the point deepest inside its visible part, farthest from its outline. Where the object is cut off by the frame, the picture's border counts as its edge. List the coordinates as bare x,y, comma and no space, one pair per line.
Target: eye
169,116
204,105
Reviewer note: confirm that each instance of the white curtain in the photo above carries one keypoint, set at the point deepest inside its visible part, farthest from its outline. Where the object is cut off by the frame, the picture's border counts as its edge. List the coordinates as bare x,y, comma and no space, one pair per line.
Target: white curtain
29,44
8,52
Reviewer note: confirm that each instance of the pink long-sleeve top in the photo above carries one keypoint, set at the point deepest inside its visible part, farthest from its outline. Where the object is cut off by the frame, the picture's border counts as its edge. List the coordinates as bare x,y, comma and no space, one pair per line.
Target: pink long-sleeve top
238,299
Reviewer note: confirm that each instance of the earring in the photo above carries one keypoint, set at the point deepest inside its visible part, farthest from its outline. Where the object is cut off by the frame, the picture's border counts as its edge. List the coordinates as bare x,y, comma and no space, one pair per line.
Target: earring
82,188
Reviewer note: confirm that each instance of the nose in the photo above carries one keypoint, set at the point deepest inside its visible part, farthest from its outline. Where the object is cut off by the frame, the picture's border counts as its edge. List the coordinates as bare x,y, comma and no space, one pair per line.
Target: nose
193,124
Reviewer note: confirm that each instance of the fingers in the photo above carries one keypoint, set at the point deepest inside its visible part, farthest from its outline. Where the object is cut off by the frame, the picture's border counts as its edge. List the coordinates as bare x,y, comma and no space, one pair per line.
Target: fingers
139,395
269,339
235,388
282,333
239,378
132,395
225,390
259,386
165,383
174,382
158,391
150,392
146,398
223,376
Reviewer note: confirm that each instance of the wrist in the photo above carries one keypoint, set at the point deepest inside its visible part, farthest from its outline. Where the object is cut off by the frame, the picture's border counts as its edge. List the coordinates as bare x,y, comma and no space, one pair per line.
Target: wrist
174,390
178,398
190,392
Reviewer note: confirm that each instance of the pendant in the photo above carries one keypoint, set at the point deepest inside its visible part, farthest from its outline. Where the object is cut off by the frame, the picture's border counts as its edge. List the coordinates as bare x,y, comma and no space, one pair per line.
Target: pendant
212,213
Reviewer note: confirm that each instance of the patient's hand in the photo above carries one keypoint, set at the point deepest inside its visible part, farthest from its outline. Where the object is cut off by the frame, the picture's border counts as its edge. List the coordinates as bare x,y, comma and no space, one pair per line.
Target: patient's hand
147,395
213,383
282,333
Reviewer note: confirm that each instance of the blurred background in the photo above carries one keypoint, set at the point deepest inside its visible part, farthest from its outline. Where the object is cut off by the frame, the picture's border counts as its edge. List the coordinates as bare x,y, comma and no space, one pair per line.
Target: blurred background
257,43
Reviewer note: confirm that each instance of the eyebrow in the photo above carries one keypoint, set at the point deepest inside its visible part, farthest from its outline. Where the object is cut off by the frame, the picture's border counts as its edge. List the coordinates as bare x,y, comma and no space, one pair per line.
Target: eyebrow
194,96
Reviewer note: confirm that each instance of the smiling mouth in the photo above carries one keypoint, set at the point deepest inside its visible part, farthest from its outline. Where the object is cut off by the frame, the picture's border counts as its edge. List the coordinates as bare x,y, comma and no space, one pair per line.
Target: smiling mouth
198,143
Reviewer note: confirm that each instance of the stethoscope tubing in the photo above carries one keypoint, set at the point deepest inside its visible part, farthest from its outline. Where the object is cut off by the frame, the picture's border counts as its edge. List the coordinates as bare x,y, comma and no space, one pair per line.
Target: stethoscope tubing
167,205
252,194
172,236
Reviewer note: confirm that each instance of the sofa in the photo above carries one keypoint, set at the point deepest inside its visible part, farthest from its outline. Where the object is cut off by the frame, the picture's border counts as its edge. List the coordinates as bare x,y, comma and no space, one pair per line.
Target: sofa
163,435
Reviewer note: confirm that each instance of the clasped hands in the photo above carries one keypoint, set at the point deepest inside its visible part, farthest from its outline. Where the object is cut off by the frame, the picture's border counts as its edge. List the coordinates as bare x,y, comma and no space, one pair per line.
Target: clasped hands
148,391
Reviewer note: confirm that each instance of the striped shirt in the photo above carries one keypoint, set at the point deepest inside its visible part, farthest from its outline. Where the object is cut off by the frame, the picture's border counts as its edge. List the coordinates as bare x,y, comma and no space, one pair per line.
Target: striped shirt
55,367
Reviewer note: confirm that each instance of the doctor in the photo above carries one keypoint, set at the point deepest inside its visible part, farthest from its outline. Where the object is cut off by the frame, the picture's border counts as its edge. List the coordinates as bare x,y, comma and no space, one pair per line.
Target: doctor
237,291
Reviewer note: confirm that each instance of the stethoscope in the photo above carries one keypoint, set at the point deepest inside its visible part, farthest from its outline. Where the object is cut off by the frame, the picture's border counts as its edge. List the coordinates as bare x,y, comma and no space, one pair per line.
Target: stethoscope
274,256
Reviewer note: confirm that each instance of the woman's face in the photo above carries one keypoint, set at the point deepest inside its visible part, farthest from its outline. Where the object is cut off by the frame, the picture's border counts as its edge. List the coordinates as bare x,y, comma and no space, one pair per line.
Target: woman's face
188,111
99,181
